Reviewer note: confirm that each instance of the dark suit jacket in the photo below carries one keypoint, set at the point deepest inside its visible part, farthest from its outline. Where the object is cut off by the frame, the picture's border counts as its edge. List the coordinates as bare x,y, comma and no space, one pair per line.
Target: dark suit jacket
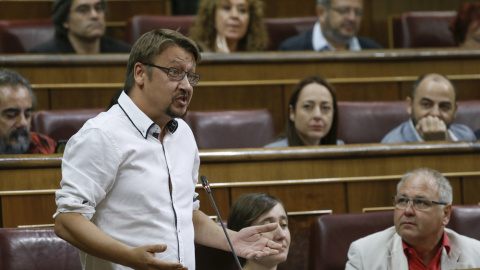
303,42
62,45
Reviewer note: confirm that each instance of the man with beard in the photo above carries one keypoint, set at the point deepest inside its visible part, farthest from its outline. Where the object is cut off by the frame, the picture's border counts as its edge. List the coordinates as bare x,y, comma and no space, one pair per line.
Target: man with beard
337,28
16,109
80,28
127,197
419,239
432,106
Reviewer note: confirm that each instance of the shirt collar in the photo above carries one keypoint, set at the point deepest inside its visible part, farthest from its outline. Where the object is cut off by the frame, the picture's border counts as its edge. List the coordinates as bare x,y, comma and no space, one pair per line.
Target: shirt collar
139,119
445,244
420,139
321,44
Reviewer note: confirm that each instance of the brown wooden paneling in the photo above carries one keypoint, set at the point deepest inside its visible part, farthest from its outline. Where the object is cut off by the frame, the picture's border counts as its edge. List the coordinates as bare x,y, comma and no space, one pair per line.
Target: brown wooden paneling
222,201
253,169
25,10
285,9
375,22
28,210
307,197
81,98
367,91
471,190
339,178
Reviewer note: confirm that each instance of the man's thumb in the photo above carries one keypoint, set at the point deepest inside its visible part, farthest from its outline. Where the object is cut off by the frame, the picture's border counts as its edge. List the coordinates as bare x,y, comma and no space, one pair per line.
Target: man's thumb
157,248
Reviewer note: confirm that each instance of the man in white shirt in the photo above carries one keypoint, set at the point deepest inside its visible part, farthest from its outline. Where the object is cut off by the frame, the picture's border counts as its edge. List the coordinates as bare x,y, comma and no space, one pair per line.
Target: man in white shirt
337,29
128,176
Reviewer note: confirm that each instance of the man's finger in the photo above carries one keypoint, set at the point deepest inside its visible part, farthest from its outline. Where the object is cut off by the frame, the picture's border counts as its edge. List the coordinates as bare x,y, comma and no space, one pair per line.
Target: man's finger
268,227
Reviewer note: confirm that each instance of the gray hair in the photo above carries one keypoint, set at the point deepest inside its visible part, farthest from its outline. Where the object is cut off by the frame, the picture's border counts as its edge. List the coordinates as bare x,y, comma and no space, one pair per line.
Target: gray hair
13,79
444,188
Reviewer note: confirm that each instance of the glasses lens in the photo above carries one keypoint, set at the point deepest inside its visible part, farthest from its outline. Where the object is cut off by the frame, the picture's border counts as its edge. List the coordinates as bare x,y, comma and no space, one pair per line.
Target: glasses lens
400,202
421,204
193,78
176,74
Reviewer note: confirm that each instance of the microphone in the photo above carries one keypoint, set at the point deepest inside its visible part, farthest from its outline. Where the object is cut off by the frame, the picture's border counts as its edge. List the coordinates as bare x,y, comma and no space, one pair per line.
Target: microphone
206,186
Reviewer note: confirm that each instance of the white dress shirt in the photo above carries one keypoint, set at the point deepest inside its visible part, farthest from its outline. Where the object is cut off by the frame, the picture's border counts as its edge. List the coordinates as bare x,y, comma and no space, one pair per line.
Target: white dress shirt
115,172
321,44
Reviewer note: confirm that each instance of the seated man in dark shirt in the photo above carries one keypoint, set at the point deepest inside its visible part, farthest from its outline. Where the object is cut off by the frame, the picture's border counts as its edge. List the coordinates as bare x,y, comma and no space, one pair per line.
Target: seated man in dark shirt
80,28
336,29
16,109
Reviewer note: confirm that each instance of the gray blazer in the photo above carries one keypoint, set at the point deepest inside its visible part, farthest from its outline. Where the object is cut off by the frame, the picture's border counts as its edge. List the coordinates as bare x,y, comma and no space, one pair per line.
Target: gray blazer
406,133
383,251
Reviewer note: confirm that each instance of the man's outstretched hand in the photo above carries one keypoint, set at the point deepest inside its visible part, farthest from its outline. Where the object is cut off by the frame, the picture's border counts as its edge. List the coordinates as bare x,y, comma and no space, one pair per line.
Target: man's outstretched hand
250,242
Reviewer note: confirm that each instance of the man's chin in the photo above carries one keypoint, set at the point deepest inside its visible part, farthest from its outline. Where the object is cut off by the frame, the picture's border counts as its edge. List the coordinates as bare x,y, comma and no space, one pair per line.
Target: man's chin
177,112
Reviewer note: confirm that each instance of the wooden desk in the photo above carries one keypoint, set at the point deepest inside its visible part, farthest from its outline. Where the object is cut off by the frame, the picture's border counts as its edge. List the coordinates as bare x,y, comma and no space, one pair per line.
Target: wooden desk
249,81
339,178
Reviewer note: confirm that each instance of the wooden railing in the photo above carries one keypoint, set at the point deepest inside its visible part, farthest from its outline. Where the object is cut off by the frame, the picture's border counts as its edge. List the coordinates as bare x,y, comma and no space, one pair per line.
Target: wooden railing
341,178
252,80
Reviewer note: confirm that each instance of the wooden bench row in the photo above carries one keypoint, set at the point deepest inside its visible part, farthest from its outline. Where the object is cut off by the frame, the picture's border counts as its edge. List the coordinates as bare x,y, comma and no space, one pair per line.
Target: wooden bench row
252,80
343,179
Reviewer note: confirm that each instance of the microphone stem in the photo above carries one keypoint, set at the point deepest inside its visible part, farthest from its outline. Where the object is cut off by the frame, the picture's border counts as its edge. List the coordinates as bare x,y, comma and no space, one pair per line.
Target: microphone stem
225,231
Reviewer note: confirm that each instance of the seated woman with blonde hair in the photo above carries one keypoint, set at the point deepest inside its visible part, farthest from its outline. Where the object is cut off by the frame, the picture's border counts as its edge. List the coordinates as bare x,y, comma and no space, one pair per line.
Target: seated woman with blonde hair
312,115
230,26
257,209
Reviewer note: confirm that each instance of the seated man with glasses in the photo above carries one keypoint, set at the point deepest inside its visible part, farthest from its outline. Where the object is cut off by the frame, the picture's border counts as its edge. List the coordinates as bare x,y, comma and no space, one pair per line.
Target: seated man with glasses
419,239
337,29
80,28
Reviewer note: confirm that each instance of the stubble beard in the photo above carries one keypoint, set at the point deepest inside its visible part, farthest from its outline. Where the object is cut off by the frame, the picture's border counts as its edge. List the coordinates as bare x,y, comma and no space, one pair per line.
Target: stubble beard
335,34
22,138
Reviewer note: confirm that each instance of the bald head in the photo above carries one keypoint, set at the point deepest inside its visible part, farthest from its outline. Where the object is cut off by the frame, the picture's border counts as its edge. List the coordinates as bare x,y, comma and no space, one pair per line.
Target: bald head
435,78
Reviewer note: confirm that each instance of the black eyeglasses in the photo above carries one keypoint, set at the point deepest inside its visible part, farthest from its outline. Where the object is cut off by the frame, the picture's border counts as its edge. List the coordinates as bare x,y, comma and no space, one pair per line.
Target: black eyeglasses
178,74
401,202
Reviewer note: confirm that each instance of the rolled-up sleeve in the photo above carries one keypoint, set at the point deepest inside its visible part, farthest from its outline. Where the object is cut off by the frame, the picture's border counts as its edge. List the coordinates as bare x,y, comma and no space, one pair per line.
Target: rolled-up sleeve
89,166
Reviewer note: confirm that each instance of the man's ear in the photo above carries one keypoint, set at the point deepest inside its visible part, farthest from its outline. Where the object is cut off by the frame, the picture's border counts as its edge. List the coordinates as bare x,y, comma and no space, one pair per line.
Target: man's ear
66,25
455,112
140,73
409,102
321,13
447,211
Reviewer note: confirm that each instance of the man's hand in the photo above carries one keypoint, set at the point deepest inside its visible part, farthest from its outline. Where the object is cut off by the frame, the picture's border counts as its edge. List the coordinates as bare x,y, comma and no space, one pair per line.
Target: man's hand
432,128
250,243
144,257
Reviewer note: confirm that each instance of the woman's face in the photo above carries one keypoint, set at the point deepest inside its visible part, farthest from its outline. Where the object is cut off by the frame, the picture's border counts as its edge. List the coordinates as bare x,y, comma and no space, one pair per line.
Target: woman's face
313,114
231,19
281,235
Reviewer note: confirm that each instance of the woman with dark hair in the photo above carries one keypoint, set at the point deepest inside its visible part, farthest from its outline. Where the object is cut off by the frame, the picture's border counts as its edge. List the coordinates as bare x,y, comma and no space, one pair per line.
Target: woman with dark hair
257,209
230,26
312,115
466,26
